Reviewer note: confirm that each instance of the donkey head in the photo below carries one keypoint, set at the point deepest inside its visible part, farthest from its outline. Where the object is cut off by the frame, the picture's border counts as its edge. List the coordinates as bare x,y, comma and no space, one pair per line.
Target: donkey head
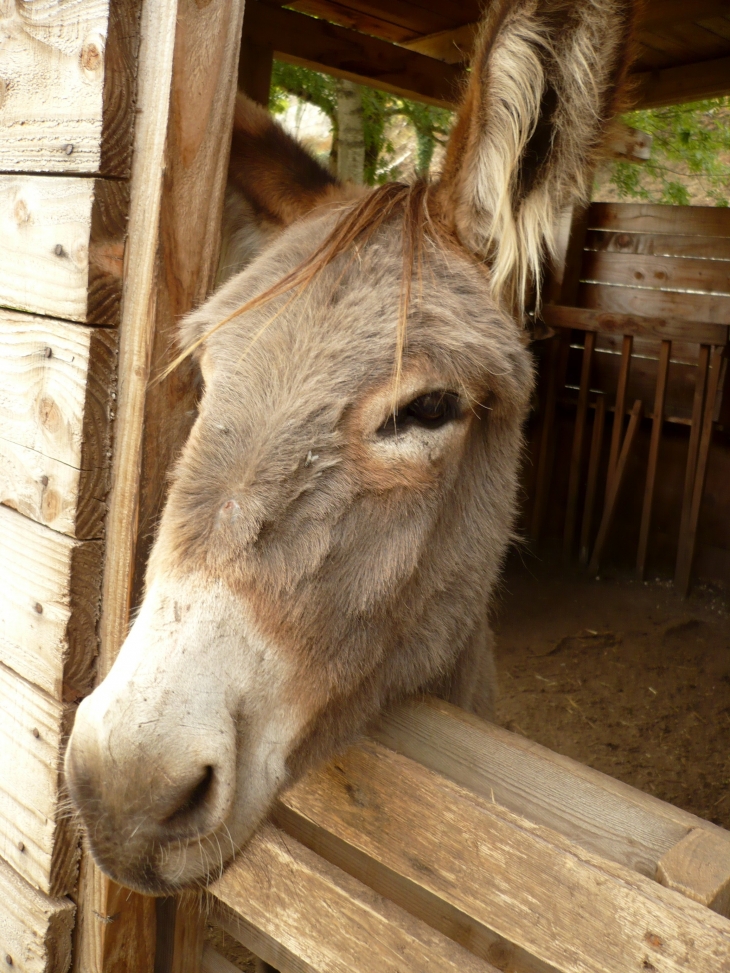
338,516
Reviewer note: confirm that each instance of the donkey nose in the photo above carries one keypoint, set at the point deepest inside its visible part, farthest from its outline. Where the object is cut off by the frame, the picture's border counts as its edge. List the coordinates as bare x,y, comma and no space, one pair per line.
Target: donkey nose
187,806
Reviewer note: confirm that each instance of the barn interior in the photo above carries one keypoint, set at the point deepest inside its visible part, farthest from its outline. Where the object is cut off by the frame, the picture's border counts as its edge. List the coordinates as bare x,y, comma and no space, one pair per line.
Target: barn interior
612,625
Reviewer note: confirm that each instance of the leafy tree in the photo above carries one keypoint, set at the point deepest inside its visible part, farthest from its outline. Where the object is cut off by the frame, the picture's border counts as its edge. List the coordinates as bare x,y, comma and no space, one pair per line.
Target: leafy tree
431,124
691,146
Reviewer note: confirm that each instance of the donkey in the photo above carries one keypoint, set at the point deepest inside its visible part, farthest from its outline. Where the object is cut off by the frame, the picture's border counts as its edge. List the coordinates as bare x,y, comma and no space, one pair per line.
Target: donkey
338,517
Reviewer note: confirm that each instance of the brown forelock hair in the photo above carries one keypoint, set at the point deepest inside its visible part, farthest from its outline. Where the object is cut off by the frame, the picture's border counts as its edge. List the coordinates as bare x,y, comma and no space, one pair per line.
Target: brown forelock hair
421,218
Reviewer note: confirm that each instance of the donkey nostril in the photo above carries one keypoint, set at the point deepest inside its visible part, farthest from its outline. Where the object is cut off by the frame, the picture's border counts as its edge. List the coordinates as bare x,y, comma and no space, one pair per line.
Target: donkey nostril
192,801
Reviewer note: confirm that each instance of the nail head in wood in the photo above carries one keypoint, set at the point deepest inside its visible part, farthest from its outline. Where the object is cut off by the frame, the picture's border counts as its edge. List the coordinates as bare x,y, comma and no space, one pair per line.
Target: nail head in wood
58,250
38,607
68,149
44,480
48,353
699,867
36,732
21,846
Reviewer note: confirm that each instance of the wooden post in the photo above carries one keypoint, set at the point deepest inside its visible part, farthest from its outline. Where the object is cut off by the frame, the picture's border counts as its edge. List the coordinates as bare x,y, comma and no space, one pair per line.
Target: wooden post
693,447
686,554
576,459
599,422
660,395
254,68
620,408
614,487
179,168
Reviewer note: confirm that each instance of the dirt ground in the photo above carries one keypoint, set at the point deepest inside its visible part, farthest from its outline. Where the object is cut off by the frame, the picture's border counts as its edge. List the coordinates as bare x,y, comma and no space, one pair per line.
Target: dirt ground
625,677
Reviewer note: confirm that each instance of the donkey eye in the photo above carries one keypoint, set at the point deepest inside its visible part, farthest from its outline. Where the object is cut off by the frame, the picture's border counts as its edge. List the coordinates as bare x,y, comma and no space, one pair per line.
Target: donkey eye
430,411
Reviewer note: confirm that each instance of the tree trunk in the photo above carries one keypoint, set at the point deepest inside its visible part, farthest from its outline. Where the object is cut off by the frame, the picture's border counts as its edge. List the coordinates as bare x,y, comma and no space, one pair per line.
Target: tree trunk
351,137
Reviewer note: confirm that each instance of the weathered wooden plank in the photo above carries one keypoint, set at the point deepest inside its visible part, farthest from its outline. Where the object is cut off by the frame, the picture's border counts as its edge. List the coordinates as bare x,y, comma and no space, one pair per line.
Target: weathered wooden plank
68,77
487,877
602,815
621,323
686,82
181,147
653,460
357,57
576,456
49,605
659,244
658,218
40,844
666,273
62,246
699,867
282,919
701,308
57,389
35,931
213,962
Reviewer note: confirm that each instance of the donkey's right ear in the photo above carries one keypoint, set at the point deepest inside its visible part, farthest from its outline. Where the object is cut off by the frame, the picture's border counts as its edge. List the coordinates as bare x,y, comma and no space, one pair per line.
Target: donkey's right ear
546,79
272,181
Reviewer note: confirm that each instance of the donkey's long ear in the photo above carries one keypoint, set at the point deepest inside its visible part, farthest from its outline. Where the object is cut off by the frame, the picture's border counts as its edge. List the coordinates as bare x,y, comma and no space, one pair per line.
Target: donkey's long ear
546,79
272,181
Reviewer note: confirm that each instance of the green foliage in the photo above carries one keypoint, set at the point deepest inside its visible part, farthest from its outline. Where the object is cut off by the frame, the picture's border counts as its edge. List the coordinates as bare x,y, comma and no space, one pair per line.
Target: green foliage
691,147
431,125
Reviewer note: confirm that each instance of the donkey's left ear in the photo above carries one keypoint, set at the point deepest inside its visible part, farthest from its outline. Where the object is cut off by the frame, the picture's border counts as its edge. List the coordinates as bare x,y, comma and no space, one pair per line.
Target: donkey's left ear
546,79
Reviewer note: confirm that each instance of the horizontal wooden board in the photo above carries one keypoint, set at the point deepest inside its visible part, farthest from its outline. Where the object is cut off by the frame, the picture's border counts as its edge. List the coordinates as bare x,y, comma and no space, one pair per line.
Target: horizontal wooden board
658,218
682,83
489,878
35,931
664,273
49,605
599,813
57,388
367,60
35,839
707,308
660,244
67,95
635,323
62,246
307,916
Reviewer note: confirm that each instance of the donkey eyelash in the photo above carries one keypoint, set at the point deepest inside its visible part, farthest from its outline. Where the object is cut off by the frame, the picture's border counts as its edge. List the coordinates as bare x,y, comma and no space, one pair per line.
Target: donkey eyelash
430,410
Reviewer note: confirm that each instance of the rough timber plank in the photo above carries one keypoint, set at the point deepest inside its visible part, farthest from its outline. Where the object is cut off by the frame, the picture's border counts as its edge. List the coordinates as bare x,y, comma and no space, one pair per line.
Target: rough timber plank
348,54
62,246
667,273
599,813
283,920
67,86
685,82
35,931
658,218
618,323
49,605
710,308
488,878
57,384
187,74
699,867
659,244
41,845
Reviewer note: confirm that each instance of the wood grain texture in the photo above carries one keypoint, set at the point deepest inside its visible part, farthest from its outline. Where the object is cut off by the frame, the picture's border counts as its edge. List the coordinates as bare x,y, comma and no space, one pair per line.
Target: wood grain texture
659,244
665,273
488,878
307,916
686,82
62,246
187,83
699,308
357,57
576,457
57,390
699,867
657,424
597,812
594,459
35,930
213,962
658,218
32,728
634,323
68,76
49,605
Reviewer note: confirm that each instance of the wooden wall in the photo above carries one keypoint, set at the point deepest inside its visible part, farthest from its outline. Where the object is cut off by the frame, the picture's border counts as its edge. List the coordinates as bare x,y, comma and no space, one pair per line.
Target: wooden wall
67,83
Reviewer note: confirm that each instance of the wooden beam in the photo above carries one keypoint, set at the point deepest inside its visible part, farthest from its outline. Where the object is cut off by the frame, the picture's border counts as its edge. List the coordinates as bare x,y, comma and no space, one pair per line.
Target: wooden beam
685,82
308,916
35,931
68,87
597,812
316,44
487,878
699,867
